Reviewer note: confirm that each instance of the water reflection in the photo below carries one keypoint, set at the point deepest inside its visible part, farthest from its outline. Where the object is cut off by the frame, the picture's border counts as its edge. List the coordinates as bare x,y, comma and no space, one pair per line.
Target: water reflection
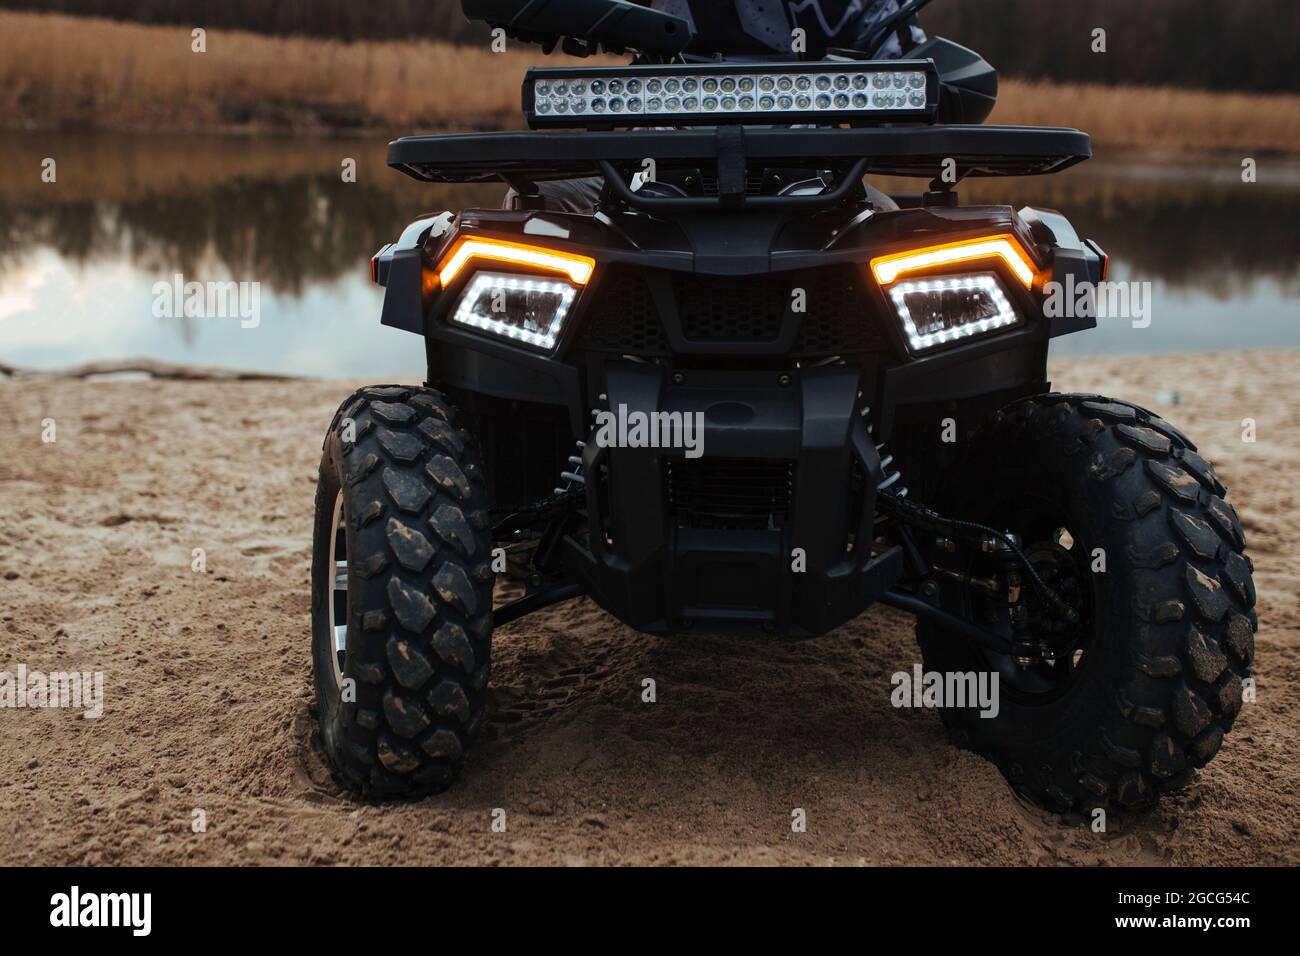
1199,228
258,220
78,257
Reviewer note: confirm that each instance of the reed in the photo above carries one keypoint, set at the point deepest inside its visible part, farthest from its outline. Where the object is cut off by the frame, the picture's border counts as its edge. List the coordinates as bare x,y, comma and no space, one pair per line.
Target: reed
61,71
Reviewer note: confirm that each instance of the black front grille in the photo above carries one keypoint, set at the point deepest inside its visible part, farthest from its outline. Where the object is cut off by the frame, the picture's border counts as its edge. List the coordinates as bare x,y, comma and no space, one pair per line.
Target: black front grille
730,493
624,318
731,308
725,310
836,319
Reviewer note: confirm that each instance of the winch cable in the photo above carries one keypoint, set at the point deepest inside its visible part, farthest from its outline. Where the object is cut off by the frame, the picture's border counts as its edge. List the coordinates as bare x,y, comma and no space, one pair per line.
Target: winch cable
904,510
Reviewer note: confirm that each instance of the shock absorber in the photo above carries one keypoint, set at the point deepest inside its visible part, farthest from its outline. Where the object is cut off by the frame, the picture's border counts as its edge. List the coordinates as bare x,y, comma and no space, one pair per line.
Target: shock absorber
573,477
890,477
1026,650
890,485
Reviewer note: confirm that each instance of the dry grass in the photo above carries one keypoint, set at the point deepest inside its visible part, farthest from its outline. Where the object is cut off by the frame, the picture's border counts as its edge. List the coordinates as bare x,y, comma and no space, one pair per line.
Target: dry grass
72,71
1157,118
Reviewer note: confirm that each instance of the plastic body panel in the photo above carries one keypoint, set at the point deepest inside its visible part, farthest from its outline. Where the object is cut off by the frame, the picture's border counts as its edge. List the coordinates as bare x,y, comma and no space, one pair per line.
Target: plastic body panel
643,555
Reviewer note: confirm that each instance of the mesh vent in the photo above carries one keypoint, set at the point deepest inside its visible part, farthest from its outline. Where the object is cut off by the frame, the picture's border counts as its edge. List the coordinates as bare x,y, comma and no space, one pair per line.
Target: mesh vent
837,319
624,319
730,493
732,309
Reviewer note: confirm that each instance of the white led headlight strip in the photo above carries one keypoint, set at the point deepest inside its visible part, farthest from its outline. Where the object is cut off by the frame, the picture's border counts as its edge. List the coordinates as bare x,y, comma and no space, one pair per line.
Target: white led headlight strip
485,283
850,91
985,283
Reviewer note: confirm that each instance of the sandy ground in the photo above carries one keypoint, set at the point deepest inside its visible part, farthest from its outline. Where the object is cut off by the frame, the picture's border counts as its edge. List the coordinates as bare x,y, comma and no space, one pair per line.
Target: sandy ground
207,676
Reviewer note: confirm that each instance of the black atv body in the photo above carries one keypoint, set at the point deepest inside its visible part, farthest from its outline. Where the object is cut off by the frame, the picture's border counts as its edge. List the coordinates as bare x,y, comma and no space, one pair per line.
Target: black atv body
693,307
868,373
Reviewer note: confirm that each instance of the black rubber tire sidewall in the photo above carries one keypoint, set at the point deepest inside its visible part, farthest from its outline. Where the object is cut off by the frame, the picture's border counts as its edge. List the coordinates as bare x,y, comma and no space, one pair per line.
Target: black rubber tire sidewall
419,592
1163,671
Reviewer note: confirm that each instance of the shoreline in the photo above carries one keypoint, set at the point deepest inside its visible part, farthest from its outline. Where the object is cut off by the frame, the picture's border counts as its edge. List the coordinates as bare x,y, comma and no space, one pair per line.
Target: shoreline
98,164
1189,153
383,135
143,369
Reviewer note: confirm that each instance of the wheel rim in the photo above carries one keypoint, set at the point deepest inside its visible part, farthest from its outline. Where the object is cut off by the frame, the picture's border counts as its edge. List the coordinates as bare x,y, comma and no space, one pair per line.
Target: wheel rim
338,598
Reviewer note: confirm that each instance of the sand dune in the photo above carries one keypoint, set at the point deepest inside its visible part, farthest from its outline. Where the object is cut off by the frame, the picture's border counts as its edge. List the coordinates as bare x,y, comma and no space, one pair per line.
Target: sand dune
207,676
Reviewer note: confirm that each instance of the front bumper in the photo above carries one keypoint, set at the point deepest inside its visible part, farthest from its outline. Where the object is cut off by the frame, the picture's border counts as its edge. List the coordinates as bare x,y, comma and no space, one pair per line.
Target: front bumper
771,530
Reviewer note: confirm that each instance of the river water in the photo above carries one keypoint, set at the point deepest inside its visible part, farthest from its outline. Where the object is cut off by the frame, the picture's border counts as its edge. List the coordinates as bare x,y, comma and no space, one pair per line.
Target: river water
80,256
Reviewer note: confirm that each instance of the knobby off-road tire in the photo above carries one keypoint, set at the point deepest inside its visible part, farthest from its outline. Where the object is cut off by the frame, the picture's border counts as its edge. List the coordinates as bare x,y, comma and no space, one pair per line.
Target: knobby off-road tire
1173,621
419,590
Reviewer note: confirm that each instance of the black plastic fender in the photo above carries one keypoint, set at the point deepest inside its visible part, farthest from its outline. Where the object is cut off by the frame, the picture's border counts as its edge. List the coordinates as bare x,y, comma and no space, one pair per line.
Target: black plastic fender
399,268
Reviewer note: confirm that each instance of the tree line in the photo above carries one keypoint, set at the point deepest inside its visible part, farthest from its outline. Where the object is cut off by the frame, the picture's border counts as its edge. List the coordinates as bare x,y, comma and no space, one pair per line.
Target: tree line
1203,44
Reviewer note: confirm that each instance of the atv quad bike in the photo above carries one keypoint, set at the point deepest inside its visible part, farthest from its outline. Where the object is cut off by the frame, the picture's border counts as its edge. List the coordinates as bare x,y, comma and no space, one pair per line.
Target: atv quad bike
869,372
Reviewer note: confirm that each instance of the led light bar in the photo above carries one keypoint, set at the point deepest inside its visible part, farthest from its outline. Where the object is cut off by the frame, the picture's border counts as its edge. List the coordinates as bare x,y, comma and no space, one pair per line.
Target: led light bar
947,308
1007,248
854,91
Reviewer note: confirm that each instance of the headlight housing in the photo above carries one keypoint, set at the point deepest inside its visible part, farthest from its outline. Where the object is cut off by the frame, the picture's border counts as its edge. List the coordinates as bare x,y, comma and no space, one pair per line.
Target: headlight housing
946,308
938,301
526,308
528,305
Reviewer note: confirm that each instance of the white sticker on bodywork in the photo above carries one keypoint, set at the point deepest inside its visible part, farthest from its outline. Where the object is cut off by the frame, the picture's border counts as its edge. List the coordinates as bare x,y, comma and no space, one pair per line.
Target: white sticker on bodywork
537,226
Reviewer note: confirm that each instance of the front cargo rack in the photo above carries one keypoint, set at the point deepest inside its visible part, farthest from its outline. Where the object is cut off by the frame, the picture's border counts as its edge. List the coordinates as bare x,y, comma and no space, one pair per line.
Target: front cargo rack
913,151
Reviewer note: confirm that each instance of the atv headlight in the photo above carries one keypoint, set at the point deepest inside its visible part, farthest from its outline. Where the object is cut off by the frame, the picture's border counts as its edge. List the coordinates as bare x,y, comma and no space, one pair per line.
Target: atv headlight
471,248
947,308
935,309
526,308
1006,248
